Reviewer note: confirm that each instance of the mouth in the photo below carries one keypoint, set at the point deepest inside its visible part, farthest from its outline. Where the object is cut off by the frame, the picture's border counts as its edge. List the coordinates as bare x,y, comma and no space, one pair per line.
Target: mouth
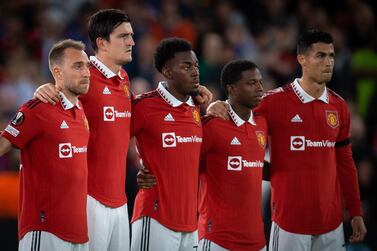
84,82
258,97
195,83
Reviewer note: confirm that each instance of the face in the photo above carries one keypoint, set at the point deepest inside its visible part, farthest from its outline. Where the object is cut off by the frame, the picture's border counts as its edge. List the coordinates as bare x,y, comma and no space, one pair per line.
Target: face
248,90
119,46
75,72
183,73
318,62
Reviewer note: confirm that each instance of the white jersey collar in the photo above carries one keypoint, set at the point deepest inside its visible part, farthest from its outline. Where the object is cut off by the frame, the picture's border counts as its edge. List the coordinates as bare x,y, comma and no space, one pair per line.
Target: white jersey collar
304,96
103,68
236,119
169,98
65,103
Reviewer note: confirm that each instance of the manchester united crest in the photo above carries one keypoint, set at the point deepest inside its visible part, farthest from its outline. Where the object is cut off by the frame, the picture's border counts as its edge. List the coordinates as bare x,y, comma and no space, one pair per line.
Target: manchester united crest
261,139
126,91
196,116
332,118
86,123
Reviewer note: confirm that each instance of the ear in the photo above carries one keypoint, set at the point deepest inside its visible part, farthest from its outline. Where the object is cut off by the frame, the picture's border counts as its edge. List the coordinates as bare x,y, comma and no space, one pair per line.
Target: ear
166,71
230,89
101,43
57,72
301,59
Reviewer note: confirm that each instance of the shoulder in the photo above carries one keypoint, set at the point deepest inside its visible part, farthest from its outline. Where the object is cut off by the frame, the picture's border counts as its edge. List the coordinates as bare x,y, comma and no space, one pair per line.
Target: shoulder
211,123
335,96
206,119
35,105
278,92
141,98
259,119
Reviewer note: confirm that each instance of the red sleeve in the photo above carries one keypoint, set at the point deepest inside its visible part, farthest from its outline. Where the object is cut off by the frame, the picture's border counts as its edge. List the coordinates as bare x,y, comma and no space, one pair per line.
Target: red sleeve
23,128
206,144
262,109
346,168
137,119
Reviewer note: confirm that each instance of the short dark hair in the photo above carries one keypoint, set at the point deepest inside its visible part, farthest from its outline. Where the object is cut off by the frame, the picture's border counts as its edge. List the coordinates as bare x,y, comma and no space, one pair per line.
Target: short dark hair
310,37
55,56
103,22
232,71
167,49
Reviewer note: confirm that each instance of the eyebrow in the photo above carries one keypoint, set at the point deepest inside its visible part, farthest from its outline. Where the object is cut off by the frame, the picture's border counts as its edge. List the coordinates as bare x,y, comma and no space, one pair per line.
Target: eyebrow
189,62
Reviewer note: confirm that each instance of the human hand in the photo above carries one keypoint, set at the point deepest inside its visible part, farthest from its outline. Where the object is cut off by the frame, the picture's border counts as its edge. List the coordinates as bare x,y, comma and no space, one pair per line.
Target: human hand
144,179
47,93
218,109
358,229
204,97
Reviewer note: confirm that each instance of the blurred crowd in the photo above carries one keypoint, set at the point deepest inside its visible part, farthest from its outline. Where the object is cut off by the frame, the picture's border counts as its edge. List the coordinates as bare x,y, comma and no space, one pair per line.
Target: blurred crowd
264,31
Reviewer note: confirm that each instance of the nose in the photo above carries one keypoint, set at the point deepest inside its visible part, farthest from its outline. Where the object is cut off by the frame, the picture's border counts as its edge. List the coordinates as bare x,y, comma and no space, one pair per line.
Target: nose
329,61
259,86
86,72
195,71
130,41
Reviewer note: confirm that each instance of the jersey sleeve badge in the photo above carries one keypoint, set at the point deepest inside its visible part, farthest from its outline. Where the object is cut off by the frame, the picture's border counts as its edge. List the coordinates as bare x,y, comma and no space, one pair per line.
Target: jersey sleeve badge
18,119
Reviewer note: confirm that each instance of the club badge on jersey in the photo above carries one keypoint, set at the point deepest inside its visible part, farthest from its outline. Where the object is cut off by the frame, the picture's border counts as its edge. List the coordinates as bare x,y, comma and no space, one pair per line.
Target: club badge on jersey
86,123
126,91
332,119
196,116
261,139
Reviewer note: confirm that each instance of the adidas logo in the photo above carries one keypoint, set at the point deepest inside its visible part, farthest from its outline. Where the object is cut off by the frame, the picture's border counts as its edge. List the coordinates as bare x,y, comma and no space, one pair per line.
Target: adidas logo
169,117
64,125
235,141
106,91
296,119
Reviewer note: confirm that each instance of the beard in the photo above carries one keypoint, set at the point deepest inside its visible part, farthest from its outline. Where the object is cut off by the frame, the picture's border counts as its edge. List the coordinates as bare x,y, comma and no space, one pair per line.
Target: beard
82,88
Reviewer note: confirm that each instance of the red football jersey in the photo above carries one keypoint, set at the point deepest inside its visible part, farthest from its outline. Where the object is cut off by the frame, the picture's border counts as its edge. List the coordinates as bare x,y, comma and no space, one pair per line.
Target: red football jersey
108,109
169,136
232,158
305,168
53,176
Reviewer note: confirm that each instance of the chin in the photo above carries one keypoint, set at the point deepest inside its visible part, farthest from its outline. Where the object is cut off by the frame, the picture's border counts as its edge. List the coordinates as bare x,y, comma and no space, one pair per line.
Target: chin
194,92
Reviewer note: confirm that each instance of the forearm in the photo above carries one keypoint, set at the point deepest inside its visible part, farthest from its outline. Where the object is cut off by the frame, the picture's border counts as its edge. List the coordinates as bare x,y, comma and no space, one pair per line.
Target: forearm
5,146
348,180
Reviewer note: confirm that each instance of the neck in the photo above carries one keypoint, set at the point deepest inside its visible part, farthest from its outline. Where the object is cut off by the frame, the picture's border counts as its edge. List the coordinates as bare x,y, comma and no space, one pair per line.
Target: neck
242,111
73,98
313,88
109,63
176,94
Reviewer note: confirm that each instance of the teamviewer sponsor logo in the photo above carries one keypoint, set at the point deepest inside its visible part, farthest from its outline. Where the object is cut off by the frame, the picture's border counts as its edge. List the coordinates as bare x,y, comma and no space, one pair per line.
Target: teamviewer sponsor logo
65,150
108,113
168,139
234,163
297,143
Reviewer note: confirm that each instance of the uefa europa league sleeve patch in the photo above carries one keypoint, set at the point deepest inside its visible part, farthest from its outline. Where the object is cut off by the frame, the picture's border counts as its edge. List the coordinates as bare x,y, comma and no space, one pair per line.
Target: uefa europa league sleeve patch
18,119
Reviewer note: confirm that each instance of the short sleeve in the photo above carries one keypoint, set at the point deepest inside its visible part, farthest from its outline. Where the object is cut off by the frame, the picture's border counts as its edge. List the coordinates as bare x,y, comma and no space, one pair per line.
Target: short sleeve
23,128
